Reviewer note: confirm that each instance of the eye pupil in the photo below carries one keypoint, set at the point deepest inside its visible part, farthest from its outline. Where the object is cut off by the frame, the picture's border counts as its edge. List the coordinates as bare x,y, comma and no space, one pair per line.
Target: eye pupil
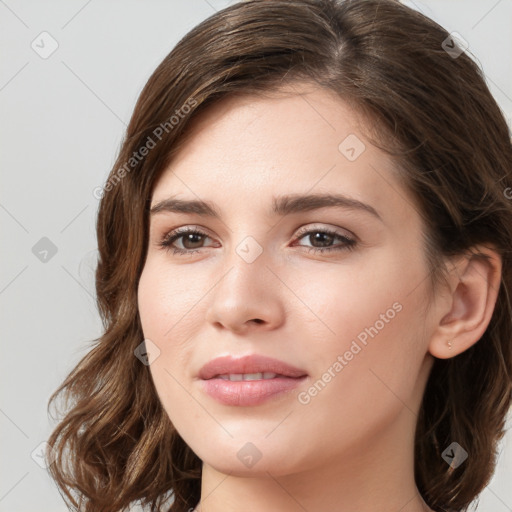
321,237
321,241
189,238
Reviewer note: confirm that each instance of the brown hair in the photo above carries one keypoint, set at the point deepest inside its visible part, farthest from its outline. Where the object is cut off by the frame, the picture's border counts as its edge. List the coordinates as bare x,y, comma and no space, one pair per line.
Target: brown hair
434,114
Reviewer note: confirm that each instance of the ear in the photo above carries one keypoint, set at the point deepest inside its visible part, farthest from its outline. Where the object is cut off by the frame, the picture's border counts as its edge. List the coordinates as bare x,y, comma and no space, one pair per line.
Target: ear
466,308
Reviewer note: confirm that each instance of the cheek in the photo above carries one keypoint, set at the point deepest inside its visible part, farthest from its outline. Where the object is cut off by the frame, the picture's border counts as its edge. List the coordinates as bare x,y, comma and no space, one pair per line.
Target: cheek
341,301
366,312
328,306
368,339
366,374
171,303
168,299
163,303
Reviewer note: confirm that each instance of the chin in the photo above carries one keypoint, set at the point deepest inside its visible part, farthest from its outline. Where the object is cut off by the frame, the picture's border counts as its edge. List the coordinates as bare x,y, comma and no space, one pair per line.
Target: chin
252,458
234,467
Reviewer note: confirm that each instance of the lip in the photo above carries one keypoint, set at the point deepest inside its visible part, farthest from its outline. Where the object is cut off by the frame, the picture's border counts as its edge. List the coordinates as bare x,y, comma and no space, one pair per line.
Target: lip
253,363
253,392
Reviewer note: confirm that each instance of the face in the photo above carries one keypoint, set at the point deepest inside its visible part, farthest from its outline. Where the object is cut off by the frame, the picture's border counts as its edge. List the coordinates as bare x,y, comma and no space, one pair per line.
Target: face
336,290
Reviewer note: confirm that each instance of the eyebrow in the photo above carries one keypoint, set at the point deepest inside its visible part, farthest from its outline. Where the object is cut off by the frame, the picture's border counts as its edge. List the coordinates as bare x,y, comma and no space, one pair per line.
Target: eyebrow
281,206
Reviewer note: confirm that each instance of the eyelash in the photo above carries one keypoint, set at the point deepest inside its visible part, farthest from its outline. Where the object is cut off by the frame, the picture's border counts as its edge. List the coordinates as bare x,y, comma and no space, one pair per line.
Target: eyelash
170,238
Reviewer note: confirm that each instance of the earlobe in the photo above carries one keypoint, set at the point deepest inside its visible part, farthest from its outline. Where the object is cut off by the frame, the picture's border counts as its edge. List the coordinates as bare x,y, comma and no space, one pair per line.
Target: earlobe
467,311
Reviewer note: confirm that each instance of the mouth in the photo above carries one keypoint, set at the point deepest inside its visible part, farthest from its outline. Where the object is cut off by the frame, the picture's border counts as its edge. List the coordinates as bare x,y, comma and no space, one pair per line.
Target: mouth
237,377
238,390
252,367
249,380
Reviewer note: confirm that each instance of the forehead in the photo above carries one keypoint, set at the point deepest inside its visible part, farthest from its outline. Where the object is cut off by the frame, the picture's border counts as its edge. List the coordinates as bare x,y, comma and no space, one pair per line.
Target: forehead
249,148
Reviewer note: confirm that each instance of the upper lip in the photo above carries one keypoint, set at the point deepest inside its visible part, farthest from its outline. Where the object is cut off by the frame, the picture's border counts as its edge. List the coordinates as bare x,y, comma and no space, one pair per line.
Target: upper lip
254,363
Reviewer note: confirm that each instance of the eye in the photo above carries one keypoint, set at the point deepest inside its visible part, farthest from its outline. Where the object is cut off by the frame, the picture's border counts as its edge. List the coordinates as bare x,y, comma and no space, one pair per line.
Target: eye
192,240
322,238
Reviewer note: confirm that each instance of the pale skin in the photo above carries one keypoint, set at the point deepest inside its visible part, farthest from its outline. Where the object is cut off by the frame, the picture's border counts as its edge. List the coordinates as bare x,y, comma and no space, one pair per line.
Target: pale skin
351,446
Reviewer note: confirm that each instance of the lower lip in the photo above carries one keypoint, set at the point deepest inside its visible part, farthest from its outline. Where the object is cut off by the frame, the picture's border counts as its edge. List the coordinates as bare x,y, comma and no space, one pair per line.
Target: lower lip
249,392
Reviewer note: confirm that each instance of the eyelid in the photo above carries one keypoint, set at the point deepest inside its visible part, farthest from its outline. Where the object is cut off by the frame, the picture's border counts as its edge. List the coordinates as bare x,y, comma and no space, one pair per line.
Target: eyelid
349,242
332,230
297,234
176,233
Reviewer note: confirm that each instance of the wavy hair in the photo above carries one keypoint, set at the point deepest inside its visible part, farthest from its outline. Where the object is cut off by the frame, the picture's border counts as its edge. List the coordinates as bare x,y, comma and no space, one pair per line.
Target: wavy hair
429,109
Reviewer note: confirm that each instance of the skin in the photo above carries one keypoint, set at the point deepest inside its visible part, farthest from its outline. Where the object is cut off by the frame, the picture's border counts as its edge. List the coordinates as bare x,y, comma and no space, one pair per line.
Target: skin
351,447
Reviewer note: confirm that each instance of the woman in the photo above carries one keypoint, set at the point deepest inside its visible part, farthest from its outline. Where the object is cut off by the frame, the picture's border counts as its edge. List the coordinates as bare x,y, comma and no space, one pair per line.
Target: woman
304,274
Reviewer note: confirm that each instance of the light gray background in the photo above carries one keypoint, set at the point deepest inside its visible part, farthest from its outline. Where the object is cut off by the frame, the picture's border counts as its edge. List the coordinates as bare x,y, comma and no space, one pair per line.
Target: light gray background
63,120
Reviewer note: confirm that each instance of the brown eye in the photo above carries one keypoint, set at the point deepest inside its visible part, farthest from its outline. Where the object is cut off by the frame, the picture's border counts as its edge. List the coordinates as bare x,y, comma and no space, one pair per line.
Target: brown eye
191,240
321,240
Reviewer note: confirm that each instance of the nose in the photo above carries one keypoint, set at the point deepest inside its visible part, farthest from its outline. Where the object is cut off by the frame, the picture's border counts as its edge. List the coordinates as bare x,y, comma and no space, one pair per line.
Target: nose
247,297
